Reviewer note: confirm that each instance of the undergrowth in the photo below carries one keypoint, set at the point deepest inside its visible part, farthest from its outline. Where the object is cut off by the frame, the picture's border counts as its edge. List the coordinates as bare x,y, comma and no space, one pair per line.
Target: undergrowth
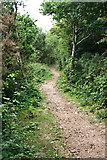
29,129
87,82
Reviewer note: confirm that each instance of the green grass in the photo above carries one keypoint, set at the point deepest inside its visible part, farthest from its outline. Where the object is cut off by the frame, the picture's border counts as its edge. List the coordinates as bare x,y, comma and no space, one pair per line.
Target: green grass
41,132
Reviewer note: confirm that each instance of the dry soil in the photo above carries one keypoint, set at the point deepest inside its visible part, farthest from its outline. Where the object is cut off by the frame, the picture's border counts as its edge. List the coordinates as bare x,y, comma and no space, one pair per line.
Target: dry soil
84,139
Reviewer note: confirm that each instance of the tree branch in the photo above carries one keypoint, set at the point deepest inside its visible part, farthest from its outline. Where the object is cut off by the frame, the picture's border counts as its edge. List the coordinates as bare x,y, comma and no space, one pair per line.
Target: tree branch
104,53
84,39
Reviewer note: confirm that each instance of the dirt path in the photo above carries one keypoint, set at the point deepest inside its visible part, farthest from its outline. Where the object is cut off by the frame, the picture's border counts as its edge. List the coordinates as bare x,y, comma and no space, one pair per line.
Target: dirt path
85,139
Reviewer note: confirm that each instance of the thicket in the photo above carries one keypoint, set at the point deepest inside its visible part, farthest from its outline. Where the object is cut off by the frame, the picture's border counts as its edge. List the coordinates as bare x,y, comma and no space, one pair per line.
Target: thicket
81,51
22,51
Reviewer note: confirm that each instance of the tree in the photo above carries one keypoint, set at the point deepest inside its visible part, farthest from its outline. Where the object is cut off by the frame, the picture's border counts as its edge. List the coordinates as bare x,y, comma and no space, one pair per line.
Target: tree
11,51
51,43
78,19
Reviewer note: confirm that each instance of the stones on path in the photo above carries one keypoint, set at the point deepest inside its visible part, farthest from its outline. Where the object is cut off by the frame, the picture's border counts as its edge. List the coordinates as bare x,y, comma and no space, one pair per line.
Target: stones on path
85,139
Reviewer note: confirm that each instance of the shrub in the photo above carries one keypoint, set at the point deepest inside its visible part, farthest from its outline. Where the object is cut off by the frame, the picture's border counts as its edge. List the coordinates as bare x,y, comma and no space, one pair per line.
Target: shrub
87,80
18,97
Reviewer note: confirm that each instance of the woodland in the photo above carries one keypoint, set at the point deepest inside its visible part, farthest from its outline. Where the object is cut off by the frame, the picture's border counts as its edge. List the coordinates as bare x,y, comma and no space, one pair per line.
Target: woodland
77,44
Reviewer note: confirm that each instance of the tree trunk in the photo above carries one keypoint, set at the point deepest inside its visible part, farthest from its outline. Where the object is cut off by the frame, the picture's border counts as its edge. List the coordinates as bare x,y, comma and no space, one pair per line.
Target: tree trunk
73,50
73,46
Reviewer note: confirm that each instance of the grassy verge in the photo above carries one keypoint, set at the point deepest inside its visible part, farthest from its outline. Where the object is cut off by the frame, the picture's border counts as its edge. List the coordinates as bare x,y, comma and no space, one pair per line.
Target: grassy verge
41,133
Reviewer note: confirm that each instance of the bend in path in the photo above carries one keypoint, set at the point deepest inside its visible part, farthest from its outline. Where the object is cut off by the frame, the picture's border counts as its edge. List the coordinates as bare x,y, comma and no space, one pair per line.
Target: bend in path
85,139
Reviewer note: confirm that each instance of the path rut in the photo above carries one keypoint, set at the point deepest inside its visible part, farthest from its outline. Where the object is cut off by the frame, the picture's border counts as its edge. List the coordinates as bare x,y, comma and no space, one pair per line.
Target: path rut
85,139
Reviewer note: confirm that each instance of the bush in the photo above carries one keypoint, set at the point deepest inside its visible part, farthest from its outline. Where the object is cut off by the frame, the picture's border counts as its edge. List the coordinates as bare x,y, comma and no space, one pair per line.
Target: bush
20,97
87,80
38,73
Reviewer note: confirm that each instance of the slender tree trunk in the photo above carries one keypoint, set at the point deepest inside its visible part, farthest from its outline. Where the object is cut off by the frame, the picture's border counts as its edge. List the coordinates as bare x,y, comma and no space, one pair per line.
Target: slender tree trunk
73,50
74,42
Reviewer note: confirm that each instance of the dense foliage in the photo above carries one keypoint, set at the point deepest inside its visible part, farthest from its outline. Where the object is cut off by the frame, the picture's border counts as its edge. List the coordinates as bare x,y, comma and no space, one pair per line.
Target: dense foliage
77,43
81,50
23,44
25,101
88,83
